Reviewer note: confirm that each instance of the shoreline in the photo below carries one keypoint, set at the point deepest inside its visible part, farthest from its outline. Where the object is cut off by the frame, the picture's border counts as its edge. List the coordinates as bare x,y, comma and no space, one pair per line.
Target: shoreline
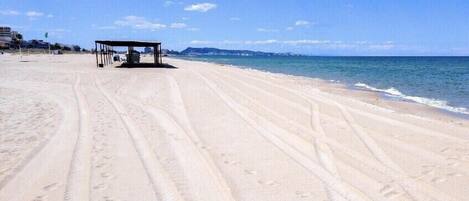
395,103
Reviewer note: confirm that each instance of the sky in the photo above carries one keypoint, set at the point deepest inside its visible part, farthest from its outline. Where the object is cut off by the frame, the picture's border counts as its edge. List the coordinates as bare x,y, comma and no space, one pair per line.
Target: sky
313,27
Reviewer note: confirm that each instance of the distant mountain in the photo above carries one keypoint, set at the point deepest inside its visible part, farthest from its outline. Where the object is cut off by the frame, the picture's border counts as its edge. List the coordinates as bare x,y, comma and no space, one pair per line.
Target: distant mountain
216,51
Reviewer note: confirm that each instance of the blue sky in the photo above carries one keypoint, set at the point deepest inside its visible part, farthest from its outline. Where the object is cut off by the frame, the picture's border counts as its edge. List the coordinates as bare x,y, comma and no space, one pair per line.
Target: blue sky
316,27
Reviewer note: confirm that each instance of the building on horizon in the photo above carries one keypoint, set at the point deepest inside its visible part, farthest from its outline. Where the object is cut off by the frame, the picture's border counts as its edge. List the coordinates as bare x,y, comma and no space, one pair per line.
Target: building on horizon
5,37
147,50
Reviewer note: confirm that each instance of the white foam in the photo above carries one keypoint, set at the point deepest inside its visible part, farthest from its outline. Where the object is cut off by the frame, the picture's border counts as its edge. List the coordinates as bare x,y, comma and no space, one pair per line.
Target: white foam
393,92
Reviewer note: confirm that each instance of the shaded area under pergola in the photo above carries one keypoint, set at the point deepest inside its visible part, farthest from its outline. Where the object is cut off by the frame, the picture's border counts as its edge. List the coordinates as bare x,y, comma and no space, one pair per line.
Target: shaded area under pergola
105,54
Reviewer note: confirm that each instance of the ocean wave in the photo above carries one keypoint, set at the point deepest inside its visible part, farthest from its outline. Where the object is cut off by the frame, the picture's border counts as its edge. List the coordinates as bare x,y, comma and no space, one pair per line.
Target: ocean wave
393,92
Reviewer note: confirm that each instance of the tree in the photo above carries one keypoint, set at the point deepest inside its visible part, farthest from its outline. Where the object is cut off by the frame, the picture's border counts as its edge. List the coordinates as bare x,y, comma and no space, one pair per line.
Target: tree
56,46
76,48
17,39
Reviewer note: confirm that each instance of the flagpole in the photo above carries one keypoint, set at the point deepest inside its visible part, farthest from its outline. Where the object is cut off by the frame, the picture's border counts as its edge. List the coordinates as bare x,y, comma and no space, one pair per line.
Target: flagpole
46,35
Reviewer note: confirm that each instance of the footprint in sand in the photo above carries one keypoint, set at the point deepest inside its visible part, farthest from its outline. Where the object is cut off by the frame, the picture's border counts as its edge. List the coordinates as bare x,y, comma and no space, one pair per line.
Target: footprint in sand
39,198
427,172
108,198
271,183
454,174
391,194
388,191
302,194
100,186
250,172
453,164
107,175
231,162
438,180
444,150
50,187
205,147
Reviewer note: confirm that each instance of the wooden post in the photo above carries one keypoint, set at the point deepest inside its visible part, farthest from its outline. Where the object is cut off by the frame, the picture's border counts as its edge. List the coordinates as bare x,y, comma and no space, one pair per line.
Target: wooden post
159,54
107,55
106,51
104,54
155,58
101,53
112,54
96,52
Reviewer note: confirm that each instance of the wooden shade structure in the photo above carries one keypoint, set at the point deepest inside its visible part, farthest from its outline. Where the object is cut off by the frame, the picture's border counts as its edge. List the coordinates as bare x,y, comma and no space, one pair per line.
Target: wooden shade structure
105,53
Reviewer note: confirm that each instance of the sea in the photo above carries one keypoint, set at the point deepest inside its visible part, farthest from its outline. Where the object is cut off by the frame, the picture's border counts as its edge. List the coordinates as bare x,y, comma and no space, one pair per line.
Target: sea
439,82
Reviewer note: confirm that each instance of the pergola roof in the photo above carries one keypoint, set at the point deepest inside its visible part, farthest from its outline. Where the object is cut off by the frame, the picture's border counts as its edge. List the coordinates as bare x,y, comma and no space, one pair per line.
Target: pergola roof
129,43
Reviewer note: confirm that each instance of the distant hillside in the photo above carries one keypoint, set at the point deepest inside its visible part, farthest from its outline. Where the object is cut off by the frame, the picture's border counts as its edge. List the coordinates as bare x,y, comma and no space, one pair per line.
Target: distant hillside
216,51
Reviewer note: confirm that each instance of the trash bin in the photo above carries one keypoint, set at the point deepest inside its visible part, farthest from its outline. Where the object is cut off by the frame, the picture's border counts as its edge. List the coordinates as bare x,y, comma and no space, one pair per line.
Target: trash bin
133,57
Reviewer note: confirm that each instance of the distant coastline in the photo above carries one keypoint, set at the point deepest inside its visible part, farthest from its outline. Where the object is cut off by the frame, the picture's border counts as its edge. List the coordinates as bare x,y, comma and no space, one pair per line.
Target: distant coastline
206,51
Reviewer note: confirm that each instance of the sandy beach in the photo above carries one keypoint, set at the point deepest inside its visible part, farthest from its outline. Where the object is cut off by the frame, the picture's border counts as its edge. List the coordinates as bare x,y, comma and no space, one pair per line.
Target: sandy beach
208,132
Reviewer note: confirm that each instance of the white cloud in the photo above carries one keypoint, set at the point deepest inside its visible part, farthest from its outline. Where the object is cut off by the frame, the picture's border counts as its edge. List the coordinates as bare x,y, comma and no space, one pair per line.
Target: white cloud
302,23
382,46
178,25
266,30
9,12
200,7
261,42
306,42
34,14
50,16
289,28
201,42
168,3
139,23
235,18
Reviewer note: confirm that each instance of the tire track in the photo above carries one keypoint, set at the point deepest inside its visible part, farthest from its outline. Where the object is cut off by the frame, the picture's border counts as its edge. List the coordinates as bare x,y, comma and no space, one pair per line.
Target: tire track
390,121
30,156
412,188
78,181
321,140
322,149
409,185
192,135
26,178
339,187
161,183
420,152
198,163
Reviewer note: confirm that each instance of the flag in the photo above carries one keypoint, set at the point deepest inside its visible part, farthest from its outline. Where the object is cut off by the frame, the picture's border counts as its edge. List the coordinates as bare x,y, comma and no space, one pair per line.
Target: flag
46,34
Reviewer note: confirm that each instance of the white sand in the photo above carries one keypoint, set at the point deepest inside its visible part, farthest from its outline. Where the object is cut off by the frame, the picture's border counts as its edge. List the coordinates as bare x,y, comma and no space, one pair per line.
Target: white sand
206,132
